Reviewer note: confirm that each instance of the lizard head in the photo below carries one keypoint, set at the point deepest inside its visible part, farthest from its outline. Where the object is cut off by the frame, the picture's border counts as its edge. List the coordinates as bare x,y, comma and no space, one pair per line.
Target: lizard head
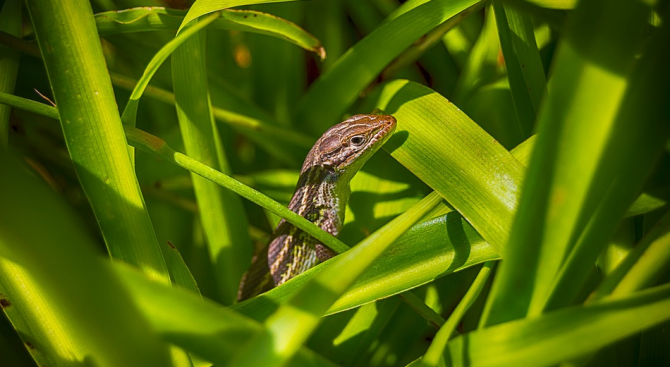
345,147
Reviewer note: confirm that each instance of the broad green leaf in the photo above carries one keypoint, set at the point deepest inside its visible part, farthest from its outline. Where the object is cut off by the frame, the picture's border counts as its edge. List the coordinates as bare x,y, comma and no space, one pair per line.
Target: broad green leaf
156,18
449,152
334,92
55,287
550,339
93,131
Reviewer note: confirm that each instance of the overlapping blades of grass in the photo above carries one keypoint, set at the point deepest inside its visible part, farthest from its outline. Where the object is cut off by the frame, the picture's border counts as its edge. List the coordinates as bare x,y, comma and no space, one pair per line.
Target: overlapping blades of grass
56,289
550,339
290,326
223,217
335,91
156,18
576,124
639,137
258,129
195,324
522,59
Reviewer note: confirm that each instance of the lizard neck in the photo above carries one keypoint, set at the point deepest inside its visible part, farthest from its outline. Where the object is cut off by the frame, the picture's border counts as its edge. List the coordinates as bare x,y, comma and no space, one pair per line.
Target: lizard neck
321,197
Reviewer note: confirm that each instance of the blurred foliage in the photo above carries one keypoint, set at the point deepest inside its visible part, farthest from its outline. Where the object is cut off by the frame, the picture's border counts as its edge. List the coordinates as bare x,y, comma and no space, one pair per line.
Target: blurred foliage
533,138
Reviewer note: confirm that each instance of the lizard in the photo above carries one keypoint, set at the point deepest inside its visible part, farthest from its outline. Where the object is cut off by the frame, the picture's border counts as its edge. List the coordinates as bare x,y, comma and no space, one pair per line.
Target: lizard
320,197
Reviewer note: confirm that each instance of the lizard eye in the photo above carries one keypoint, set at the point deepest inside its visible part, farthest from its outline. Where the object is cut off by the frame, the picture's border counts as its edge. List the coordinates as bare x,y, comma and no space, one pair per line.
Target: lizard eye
357,140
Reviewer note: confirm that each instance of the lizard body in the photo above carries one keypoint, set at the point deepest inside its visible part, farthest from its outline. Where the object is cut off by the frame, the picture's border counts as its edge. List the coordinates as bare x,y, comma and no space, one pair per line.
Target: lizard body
320,196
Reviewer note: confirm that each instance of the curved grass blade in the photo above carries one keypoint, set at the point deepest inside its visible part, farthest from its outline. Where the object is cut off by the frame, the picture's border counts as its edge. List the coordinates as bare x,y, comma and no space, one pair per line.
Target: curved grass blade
204,7
158,18
454,156
334,92
179,271
427,251
130,112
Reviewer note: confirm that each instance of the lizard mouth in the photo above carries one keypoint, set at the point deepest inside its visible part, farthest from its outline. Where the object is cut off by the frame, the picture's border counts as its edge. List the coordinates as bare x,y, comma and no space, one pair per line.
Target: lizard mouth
388,124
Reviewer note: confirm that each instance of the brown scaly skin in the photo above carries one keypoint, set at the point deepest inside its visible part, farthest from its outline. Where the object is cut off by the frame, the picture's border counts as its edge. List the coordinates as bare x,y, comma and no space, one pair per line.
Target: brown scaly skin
321,197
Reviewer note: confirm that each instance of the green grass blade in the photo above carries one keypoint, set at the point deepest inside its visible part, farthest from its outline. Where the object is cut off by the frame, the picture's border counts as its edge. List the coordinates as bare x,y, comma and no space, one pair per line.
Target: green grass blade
550,339
436,349
573,132
334,92
420,47
555,4
130,112
56,287
481,64
179,271
10,22
157,18
204,7
454,156
524,66
91,123
641,266
223,217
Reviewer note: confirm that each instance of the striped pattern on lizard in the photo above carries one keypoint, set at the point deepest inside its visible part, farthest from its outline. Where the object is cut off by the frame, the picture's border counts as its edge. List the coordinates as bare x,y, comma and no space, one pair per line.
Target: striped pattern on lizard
320,196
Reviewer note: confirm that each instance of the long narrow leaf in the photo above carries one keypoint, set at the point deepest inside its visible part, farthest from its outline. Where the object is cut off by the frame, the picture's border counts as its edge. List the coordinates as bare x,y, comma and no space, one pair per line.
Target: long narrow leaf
93,131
